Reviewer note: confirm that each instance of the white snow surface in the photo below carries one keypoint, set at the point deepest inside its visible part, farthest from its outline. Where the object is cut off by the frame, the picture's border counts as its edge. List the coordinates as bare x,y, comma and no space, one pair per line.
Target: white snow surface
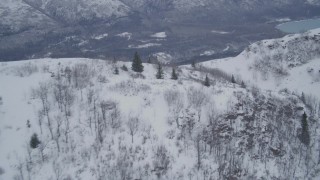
163,57
208,53
159,35
101,36
302,77
142,98
219,32
144,45
125,35
158,104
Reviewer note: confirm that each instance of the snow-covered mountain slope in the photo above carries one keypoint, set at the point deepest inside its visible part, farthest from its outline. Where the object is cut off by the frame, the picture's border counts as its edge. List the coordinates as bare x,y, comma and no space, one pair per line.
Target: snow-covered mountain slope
74,11
314,2
16,15
95,124
29,13
81,11
187,5
42,28
292,62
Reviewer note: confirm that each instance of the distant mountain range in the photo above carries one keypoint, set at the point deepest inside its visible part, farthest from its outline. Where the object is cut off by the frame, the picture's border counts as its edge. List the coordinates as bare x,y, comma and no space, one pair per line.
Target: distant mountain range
64,28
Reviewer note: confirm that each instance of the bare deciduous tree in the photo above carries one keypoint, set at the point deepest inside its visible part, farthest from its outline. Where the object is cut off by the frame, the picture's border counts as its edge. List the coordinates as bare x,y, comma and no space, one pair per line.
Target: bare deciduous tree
174,100
161,161
42,147
59,122
197,99
115,117
57,169
133,126
43,94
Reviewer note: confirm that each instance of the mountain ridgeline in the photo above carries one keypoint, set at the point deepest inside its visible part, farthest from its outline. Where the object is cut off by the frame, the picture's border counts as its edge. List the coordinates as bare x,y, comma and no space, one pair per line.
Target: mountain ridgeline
71,28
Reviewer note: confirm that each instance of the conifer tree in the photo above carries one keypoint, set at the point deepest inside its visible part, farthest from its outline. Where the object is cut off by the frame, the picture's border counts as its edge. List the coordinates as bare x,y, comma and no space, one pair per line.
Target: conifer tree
193,64
206,81
34,142
303,98
159,74
149,60
114,61
174,75
243,85
116,71
232,79
305,136
124,68
137,63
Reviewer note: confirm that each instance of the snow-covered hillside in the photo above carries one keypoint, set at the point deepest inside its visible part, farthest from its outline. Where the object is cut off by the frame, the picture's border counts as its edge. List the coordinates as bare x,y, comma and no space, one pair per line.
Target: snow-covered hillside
20,14
96,124
292,62
16,15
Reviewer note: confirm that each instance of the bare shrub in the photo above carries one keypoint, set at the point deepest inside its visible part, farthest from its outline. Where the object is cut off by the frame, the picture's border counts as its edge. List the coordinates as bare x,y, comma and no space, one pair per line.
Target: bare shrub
26,69
173,97
161,162
138,76
115,117
82,75
175,102
102,79
45,68
197,99
255,91
130,87
217,73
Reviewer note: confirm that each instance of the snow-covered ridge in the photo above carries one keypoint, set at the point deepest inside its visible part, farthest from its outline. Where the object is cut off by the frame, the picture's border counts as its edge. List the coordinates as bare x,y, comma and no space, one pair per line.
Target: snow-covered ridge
20,13
106,124
291,62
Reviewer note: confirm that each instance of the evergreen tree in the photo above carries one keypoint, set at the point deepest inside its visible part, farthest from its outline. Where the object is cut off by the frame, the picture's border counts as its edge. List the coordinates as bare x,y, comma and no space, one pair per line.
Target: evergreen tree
305,136
243,85
124,68
34,142
193,64
232,79
159,74
137,63
116,71
114,61
303,98
174,75
28,124
206,81
149,60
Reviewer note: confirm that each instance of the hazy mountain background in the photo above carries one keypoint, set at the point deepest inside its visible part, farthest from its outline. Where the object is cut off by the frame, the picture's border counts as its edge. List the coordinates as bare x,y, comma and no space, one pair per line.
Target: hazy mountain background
79,28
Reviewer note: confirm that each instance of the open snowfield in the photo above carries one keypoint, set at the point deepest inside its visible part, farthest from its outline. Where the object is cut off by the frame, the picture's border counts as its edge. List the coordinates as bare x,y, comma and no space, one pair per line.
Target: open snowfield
299,75
135,97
